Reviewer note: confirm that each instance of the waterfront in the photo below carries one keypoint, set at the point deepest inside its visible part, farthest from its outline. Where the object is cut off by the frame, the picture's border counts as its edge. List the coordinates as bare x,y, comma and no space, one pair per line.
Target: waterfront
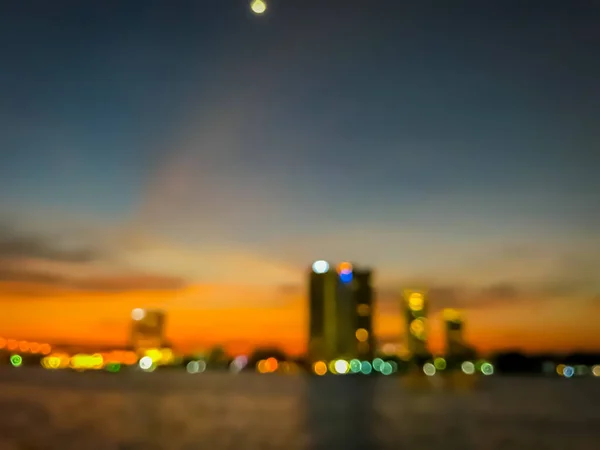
175,410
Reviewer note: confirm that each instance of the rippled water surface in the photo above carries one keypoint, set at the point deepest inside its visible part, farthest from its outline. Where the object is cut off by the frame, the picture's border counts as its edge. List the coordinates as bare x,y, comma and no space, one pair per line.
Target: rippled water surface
61,410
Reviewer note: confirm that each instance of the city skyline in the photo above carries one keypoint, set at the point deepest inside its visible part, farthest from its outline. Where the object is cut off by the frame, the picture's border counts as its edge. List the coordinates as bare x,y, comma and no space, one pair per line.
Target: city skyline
199,159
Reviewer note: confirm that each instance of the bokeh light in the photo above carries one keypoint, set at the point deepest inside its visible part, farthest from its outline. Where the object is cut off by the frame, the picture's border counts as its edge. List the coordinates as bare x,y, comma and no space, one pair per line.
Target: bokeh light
138,314
596,370
487,369
386,368
355,366
468,367
320,368
429,369
16,360
439,363
568,371
258,6
342,367
415,301
320,266
366,368
377,363
362,335
146,363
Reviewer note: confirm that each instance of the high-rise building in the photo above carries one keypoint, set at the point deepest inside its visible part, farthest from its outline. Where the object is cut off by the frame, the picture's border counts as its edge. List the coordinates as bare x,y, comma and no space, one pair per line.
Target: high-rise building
415,307
340,306
454,325
147,329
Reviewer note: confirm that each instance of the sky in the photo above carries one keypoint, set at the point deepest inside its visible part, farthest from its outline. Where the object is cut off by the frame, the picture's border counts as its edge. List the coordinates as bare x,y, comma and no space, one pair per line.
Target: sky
193,156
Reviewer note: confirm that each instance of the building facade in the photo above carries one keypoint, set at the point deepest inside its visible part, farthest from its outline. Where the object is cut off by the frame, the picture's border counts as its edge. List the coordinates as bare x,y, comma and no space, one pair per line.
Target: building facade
456,346
340,312
415,311
147,329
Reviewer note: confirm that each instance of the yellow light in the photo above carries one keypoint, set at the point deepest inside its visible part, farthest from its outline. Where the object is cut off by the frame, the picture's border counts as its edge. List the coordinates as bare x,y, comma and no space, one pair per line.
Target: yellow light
320,368
362,335
560,369
363,310
415,301
332,367
451,315
258,6
261,366
154,354
417,327
596,371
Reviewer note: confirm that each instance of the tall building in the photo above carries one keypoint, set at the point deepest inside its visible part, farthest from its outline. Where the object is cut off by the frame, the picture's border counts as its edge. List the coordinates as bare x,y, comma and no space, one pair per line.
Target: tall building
340,305
147,329
454,326
415,307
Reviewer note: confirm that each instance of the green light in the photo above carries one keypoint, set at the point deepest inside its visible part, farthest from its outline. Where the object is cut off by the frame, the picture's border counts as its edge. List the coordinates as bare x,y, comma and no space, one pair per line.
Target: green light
487,369
113,367
386,368
366,368
355,366
377,364
16,360
439,363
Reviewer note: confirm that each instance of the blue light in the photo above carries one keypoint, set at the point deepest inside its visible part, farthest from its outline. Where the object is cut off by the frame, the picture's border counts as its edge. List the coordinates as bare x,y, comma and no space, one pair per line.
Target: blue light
346,277
568,372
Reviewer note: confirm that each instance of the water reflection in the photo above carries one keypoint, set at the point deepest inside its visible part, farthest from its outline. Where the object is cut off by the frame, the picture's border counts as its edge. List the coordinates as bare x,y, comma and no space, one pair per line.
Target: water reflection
341,413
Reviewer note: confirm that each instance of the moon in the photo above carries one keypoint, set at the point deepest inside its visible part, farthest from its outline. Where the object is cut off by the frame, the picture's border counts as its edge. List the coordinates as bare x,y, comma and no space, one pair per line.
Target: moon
258,6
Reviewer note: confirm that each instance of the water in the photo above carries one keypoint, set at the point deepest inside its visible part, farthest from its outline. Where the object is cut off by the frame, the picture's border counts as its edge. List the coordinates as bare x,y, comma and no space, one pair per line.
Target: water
175,410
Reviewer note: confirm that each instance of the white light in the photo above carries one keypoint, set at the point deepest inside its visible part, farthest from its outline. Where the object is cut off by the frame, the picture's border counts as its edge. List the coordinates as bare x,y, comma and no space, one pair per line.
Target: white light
138,314
145,363
320,266
258,6
429,369
341,366
193,367
468,367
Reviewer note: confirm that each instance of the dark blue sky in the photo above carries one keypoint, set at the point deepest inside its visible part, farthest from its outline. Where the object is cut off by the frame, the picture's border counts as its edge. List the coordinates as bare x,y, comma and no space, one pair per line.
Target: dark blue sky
203,122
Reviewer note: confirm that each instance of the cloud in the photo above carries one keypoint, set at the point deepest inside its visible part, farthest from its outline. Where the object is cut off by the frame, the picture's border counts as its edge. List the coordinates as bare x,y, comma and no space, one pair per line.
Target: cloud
18,244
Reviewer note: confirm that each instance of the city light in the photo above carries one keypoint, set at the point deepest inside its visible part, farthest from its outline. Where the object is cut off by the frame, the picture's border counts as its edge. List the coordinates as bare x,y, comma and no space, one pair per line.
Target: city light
16,360
362,335
386,368
366,368
342,367
355,366
417,327
320,368
377,363
320,266
429,369
468,367
145,363
568,371
439,363
596,371
258,6
415,301
138,314
363,310
487,369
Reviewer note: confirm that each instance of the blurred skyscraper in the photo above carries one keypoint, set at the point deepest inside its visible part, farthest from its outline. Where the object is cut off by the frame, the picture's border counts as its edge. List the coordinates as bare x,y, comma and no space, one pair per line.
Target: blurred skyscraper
415,309
340,308
456,346
147,329
453,325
